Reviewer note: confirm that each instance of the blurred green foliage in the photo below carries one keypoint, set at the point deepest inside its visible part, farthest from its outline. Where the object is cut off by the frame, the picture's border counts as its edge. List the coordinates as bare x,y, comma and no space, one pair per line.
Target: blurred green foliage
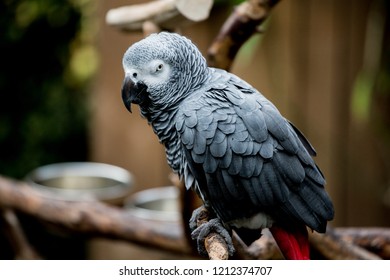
370,101
47,59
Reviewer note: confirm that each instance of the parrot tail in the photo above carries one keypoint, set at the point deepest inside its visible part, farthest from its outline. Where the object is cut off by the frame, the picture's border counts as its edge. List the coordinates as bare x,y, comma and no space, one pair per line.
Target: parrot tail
294,244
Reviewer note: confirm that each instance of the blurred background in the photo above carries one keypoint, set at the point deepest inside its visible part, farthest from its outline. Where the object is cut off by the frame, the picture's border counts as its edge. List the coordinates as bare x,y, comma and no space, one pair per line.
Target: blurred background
324,64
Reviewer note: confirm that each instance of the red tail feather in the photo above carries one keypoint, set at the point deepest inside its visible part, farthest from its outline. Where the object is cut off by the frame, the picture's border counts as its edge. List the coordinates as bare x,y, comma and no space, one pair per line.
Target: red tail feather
294,245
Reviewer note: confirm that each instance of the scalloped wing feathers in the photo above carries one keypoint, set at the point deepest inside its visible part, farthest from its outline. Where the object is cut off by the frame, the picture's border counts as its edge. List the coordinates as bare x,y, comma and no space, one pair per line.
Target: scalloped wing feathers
247,158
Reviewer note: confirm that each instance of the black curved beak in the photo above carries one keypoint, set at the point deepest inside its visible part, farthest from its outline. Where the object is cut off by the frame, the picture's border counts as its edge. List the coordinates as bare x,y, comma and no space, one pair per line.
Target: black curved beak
132,92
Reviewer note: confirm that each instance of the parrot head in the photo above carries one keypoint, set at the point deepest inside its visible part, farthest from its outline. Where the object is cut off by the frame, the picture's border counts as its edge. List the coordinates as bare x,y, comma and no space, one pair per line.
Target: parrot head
160,69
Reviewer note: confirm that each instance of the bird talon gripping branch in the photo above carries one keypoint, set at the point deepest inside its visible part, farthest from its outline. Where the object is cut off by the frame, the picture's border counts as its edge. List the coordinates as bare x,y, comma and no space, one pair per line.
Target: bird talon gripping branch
250,166
204,231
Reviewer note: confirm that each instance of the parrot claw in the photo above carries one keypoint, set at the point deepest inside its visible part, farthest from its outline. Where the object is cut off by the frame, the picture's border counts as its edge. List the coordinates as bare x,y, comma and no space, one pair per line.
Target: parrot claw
214,225
199,215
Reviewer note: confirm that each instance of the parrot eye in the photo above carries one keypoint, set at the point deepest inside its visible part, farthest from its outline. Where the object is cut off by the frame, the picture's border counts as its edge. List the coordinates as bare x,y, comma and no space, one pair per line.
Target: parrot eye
159,67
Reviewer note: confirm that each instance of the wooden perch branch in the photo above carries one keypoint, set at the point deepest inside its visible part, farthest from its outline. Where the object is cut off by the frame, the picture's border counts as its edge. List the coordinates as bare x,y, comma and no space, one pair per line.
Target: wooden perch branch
215,245
263,249
376,240
238,28
93,218
333,247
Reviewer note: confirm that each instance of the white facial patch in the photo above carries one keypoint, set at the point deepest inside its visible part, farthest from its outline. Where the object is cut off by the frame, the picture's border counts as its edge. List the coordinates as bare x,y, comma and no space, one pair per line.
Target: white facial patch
156,72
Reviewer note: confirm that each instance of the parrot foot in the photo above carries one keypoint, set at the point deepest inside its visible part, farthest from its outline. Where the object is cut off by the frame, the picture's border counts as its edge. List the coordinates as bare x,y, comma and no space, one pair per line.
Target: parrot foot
201,228
199,216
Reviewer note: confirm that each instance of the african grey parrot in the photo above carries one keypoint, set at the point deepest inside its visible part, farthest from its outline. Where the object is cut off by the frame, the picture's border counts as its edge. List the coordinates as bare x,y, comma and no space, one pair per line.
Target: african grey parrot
250,166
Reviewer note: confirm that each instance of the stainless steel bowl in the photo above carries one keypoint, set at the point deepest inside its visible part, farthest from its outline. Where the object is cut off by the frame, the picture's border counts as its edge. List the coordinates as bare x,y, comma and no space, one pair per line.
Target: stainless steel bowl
82,181
157,204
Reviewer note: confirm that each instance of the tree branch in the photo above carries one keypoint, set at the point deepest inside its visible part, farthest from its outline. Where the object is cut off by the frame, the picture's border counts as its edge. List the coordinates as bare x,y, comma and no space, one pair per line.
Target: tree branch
238,28
215,244
93,218
333,247
376,240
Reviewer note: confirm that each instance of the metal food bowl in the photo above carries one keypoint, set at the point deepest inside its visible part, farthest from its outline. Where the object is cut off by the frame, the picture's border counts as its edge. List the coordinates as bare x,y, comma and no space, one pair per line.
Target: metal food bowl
157,204
82,181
